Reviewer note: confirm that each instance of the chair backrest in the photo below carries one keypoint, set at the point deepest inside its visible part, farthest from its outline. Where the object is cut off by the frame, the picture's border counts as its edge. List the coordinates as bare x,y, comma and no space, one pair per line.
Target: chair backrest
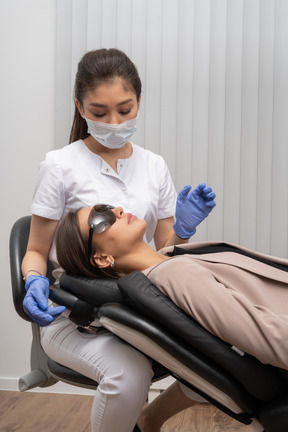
18,244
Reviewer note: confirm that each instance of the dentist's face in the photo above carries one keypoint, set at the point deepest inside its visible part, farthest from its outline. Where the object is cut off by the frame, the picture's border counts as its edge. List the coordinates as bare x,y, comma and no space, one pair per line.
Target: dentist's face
111,102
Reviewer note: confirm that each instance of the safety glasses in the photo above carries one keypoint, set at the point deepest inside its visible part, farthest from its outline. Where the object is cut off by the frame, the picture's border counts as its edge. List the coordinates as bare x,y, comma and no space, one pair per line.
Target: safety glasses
100,219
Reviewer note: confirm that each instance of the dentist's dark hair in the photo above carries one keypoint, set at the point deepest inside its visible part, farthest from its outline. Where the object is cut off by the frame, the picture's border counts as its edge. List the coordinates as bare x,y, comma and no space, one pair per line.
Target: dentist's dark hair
98,67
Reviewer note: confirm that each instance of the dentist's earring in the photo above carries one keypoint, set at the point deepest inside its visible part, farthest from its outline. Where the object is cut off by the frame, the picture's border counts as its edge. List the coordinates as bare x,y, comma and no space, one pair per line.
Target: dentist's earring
112,264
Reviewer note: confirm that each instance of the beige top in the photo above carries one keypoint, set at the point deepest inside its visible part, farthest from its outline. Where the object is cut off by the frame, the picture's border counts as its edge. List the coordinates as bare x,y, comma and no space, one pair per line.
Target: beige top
239,299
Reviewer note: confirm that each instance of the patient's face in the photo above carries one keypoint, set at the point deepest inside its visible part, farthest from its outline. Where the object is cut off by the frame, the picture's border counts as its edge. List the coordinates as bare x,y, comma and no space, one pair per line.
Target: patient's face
123,235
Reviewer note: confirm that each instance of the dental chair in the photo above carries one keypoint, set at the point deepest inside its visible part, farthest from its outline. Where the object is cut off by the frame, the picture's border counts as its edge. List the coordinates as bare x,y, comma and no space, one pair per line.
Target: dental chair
44,371
135,310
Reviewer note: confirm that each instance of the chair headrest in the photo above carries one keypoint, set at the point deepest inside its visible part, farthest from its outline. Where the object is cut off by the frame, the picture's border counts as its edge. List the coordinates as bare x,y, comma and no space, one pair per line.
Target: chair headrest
94,291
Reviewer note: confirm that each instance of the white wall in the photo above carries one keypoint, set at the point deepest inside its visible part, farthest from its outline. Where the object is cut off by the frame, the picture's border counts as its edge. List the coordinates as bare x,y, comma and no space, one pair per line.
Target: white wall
27,52
215,105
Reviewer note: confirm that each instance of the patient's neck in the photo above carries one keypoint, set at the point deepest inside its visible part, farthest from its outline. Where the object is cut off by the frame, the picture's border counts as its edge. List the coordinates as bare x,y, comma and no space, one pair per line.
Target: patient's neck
140,259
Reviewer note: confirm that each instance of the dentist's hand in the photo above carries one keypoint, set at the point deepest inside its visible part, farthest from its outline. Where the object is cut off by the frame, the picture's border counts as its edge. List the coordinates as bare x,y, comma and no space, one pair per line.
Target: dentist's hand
35,303
192,207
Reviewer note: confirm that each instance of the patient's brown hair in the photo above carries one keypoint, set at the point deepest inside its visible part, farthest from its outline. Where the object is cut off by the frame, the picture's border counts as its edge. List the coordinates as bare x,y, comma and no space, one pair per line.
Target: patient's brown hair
72,250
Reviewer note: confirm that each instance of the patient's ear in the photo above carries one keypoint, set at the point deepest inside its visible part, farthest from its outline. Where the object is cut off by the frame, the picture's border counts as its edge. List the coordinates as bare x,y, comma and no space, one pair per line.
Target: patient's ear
103,261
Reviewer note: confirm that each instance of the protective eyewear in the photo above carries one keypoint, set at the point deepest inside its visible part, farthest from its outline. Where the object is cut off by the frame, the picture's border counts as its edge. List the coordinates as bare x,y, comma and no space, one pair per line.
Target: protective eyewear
100,219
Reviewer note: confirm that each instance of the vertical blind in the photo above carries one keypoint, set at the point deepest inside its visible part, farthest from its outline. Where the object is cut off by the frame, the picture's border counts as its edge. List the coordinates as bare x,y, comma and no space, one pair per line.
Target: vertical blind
214,102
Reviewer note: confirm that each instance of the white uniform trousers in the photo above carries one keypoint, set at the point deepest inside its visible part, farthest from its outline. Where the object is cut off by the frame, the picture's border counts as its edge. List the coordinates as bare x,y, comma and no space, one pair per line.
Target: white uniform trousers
124,374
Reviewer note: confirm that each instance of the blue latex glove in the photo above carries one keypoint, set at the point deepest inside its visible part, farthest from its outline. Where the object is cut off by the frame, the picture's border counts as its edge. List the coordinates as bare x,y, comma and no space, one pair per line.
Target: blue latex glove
192,207
35,303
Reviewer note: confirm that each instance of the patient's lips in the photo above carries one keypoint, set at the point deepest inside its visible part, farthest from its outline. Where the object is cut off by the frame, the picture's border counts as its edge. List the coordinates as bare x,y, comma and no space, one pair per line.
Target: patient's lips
130,218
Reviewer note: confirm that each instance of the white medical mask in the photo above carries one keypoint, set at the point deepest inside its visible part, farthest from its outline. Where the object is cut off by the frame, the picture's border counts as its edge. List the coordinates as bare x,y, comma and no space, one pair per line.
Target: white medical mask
112,136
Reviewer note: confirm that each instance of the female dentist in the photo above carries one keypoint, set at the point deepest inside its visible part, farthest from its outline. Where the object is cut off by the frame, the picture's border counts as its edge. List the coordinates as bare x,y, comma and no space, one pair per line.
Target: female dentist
100,164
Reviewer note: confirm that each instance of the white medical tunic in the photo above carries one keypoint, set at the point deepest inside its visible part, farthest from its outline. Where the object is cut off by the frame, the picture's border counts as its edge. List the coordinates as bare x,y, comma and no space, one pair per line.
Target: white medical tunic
75,177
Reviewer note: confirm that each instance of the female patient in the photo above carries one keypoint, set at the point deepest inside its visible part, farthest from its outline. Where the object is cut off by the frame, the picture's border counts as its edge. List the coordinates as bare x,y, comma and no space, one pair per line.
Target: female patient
240,298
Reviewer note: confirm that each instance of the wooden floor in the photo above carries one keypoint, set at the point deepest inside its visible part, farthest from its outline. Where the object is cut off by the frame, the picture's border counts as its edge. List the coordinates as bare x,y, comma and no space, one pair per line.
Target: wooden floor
47,412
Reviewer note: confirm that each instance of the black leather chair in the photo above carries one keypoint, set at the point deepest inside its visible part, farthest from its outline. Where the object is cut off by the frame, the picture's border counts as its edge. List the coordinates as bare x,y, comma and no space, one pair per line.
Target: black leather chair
45,371
136,311
239,385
